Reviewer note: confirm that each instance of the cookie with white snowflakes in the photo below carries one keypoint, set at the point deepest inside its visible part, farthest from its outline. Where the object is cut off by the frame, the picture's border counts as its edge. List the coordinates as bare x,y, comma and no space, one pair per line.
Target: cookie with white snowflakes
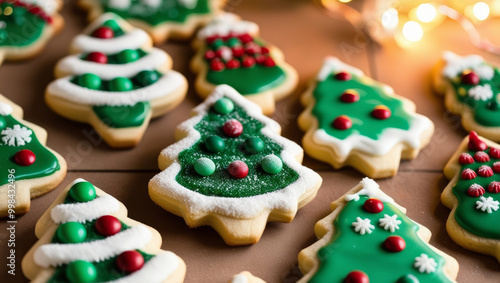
26,26
245,277
115,81
230,51
369,238
86,236
232,170
473,195
162,19
470,86
30,168
353,120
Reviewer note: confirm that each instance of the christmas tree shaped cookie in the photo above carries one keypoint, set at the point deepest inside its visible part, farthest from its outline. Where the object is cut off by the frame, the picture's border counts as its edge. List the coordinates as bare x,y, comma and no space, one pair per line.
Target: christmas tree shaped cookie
26,26
30,168
160,18
230,52
232,170
116,81
471,88
86,236
352,120
245,277
472,195
369,238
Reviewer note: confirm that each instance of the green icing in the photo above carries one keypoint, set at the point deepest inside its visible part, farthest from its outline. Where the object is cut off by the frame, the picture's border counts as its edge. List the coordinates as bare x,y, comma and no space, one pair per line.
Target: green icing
45,164
114,58
220,183
168,11
328,106
476,221
123,116
349,250
107,270
22,27
484,113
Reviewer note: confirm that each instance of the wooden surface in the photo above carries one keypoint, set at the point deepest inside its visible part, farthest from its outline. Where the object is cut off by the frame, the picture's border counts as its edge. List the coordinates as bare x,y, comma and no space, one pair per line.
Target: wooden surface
305,35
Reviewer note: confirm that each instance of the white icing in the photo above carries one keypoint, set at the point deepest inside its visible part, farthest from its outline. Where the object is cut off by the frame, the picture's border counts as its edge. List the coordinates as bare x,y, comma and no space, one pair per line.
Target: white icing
156,270
425,264
227,23
189,4
481,92
487,204
75,66
84,211
133,39
333,65
456,64
152,3
135,237
284,199
390,223
16,136
119,4
371,189
166,85
48,6
363,226
5,109
239,278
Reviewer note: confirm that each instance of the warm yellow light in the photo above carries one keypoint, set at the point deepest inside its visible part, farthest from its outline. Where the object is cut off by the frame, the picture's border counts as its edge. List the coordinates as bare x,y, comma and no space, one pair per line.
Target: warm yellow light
481,11
426,12
413,31
390,19
345,1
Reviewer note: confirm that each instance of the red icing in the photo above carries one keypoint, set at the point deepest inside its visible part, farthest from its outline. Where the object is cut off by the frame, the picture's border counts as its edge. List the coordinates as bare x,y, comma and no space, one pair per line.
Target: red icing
496,167
248,62
216,65
470,78
342,122
108,225
481,156
494,187
381,112
233,64
232,128
475,190
356,277
373,205
475,143
465,158
394,244
130,261
494,153
485,171
24,157
343,76
269,62
238,169
349,96
97,57
468,174
104,33
209,55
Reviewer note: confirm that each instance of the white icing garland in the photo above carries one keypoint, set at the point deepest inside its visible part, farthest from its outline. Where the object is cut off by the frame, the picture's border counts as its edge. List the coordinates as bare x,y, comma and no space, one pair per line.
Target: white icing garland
155,270
332,65
284,199
371,189
84,211
135,237
5,109
227,23
48,6
133,39
456,64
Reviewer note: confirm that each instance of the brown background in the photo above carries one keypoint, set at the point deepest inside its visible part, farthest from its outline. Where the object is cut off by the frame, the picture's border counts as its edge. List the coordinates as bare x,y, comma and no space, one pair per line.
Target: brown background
305,35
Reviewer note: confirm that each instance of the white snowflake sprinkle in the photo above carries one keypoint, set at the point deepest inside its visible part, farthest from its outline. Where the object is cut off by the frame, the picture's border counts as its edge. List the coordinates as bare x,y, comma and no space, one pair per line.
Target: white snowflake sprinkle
363,226
425,264
16,134
487,204
481,92
389,222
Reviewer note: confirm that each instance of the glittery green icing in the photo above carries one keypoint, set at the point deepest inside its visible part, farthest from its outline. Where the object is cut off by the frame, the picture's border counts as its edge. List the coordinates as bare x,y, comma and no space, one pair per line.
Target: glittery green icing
123,116
349,250
328,106
221,183
22,27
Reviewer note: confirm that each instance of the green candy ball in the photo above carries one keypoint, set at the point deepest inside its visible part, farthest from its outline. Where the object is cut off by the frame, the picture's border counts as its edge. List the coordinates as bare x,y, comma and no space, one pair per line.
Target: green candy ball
204,166
215,144
128,56
3,123
82,192
112,24
146,78
224,106
120,84
272,164
90,81
81,271
216,44
71,233
233,42
408,278
254,145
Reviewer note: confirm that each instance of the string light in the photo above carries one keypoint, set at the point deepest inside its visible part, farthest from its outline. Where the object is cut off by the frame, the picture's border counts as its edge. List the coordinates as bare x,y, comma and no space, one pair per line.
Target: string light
426,12
413,31
390,19
481,11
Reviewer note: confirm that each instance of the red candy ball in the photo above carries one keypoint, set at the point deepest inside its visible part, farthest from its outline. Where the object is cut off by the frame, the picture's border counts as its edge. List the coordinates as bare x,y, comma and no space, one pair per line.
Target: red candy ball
248,62
475,143
108,225
97,57
381,112
394,244
233,64
103,32
373,205
264,50
475,190
465,158
24,157
494,187
496,167
260,59
130,261
349,96
238,51
343,76
481,156
216,65
245,38
485,171
468,174
209,55
269,62
238,169
469,78
232,128
342,122
252,48
494,153
356,277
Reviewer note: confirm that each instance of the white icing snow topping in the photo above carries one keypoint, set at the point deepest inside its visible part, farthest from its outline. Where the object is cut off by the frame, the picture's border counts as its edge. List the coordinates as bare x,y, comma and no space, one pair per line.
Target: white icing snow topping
456,64
133,39
227,23
481,92
239,278
333,65
48,6
371,189
5,109
156,269
85,211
